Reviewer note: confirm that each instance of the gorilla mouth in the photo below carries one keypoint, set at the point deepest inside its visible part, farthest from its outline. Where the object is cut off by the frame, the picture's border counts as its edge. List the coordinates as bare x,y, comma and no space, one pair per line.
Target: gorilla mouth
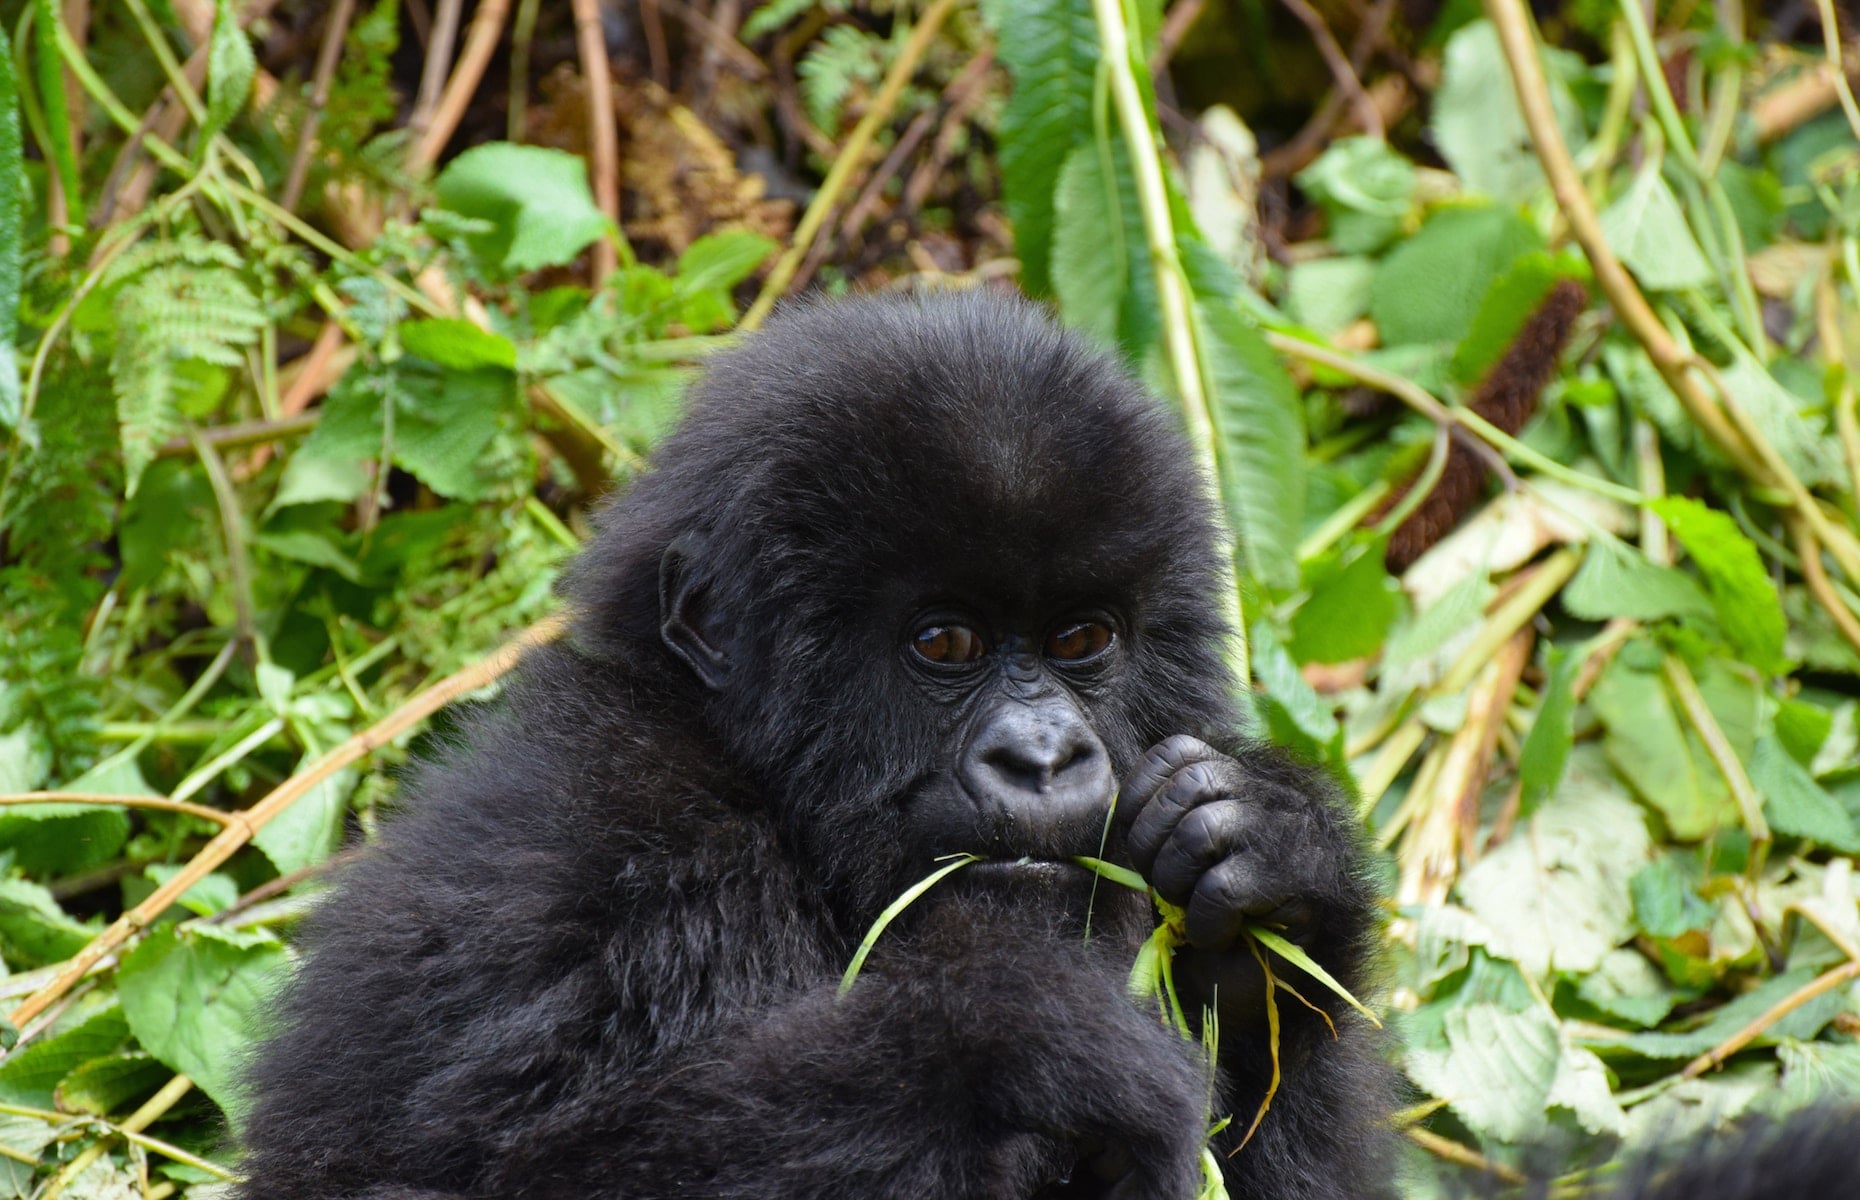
1044,871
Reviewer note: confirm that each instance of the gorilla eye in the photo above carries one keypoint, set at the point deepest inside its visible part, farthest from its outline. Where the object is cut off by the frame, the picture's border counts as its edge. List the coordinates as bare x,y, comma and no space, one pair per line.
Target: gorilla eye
1075,643
952,644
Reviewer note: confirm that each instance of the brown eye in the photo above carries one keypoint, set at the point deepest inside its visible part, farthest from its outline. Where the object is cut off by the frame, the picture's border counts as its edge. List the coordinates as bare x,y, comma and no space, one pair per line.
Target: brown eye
1074,643
947,644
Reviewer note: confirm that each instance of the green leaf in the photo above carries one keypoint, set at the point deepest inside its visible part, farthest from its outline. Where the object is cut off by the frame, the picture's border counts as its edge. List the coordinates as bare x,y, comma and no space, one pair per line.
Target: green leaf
1662,758
62,839
1352,603
1798,428
1297,717
31,1076
537,200
12,233
1797,805
310,830
1365,188
1648,230
213,893
1259,431
1615,581
104,1085
230,68
52,101
1546,748
457,345
442,436
1430,287
1555,895
1476,120
1504,309
1050,48
1803,1022
1293,954
196,998
1090,254
1817,1073
1666,904
1501,1070
1749,609
1625,985
709,268
1327,294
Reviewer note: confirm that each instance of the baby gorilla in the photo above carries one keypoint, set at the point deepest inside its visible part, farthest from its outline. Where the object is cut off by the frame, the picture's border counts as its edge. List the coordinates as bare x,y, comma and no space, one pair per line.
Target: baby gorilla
915,577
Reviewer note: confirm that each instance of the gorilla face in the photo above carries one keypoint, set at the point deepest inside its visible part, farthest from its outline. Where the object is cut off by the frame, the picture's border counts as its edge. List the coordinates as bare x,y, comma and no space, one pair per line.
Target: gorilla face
960,642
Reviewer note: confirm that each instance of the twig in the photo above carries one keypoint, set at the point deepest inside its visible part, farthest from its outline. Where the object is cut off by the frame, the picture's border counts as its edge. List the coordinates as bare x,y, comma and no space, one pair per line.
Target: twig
328,55
1749,803
719,40
653,26
229,840
435,63
487,25
1175,27
1816,577
1341,70
961,97
1453,1152
1668,357
112,800
848,160
1831,43
1827,981
604,140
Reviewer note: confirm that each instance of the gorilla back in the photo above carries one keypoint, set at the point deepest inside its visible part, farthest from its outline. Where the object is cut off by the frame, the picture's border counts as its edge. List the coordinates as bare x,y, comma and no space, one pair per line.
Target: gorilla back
914,577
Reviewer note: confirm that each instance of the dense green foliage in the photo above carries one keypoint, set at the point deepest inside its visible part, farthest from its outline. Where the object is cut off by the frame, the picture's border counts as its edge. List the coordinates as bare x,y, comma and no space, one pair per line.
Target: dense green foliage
264,476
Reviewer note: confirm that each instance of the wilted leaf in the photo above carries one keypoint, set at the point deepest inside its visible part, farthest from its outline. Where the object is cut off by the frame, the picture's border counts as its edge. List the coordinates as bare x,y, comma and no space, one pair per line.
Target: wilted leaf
1647,228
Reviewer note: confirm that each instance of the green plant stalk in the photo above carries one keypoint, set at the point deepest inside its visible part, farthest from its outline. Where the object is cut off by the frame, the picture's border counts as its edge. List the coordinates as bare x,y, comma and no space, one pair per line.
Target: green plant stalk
1730,262
170,66
1178,319
1509,617
1417,492
1831,42
891,914
48,45
1692,702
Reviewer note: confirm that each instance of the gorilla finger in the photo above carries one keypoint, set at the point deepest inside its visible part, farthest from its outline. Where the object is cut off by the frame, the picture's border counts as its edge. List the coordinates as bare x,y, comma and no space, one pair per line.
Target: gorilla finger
1202,838
1189,787
1236,891
1160,762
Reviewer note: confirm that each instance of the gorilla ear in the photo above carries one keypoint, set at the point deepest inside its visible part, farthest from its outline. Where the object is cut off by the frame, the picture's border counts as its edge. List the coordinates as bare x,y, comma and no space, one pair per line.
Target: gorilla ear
687,621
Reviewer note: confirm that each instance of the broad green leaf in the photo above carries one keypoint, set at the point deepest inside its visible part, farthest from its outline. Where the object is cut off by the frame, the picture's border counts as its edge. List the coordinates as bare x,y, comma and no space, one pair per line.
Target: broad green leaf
721,260
104,1085
1656,753
62,839
1351,606
1476,121
31,1075
1626,986
1259,429
1546,747
1797,428
1050,48
1797,805
1297,717
1501,1070
537,200
1090,266
1803,1022
457,345
1742,592
1555,894
12,233
230,68
1511,300
1429,288
1615,581
1327,294
310,830
1365,188
214,893
1666,904
443,436
1647,228
197,999
1818,1073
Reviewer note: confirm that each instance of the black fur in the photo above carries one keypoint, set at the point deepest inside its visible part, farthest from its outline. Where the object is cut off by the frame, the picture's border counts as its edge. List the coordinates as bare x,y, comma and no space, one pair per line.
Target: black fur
597,956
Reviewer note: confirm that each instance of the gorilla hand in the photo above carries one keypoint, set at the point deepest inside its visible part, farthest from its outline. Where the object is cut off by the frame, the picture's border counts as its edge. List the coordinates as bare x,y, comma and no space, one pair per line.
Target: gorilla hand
1236,844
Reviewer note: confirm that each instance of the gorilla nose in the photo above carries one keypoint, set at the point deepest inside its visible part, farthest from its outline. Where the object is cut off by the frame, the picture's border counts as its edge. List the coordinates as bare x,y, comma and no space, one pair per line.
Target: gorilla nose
1042,767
